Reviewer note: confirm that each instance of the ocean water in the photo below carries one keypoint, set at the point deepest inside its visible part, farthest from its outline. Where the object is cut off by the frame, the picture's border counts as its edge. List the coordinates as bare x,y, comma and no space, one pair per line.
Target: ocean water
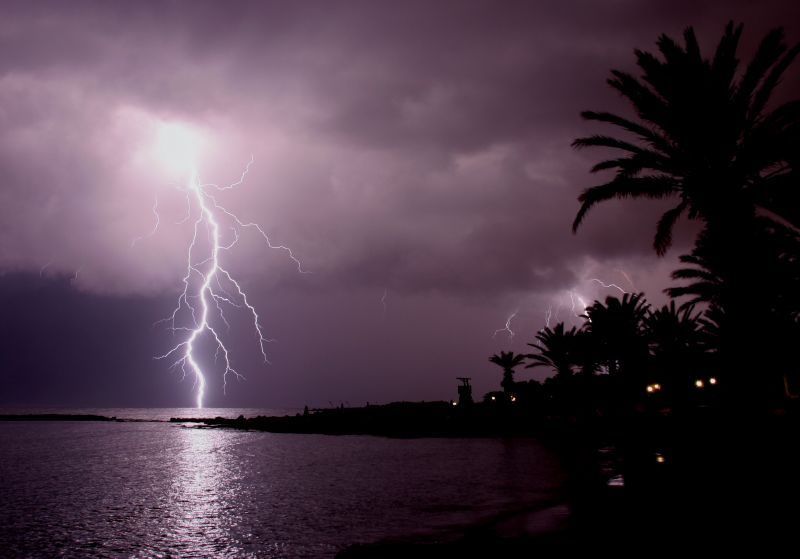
150,489
153,414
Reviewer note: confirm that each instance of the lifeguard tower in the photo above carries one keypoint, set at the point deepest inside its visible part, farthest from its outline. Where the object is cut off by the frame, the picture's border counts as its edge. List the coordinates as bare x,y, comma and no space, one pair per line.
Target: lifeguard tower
464,391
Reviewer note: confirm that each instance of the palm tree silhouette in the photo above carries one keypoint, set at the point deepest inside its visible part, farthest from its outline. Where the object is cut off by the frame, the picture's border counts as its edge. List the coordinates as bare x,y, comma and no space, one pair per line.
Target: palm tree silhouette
558,349
704,135
617,330
674,332
508,360
753,314
772,272
678,343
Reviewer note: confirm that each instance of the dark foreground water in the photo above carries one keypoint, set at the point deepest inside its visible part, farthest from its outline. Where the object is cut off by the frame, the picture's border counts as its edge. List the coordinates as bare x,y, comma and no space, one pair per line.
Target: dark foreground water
165,490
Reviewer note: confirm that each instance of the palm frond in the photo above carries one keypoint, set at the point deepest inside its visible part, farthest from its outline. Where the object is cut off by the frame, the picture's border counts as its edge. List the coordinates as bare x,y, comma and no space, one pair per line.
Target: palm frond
654,187
761,97
663,238
644,132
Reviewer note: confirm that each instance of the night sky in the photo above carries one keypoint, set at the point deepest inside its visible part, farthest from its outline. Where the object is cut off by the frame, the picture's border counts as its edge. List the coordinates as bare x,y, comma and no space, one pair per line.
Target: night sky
415,156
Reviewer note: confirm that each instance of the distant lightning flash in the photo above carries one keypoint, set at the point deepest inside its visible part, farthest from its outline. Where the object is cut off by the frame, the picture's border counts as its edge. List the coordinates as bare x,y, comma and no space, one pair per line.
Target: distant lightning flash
572,300
572,297
155,225
507,327
383,300
608,285
208,286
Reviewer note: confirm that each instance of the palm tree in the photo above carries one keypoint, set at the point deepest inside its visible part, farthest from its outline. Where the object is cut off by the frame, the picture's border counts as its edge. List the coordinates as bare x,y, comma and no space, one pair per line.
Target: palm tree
571,355
674,332
753,314
557,349
772,272
616,327
703,135
678,346
508,360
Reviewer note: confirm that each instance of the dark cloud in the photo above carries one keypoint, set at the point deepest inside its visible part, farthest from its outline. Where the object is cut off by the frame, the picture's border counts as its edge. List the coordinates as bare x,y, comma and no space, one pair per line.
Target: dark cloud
419,150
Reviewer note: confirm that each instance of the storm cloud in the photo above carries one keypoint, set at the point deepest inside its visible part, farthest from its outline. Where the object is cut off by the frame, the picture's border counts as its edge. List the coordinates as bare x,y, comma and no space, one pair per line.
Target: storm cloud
417,160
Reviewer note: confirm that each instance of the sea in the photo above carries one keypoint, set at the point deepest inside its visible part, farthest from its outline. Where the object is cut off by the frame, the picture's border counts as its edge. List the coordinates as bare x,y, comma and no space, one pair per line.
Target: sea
146,487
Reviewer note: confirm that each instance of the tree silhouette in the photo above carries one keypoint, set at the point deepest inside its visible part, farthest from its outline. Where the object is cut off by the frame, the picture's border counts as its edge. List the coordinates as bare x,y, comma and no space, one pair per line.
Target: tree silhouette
773,272
558,349
678,349
673,332
753,314
703,134
616,327
508,360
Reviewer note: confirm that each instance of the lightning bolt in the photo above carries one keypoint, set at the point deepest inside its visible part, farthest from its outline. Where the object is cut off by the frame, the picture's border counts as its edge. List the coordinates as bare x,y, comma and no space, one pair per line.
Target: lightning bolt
608,285
572,300
507,327
572,297
582,302
155,226
558,309
548,315
208,286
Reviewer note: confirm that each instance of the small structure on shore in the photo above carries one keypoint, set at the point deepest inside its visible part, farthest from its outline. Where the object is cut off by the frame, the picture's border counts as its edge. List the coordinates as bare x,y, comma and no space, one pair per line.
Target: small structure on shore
464,391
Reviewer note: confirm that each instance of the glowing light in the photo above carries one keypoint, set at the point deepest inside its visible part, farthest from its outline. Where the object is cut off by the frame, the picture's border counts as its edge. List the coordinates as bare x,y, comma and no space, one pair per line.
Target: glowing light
493,398
616,481
513,398
699,383
455,403
712,380
207,285
650,388
178,147
660,458
657,386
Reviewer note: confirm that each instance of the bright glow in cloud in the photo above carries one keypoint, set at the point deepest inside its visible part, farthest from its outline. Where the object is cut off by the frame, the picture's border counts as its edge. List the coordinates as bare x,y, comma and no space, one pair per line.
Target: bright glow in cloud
178,147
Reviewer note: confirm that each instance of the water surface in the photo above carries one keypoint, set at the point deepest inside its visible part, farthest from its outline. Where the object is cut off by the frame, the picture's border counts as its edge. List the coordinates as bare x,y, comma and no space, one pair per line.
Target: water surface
152,414
165,490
